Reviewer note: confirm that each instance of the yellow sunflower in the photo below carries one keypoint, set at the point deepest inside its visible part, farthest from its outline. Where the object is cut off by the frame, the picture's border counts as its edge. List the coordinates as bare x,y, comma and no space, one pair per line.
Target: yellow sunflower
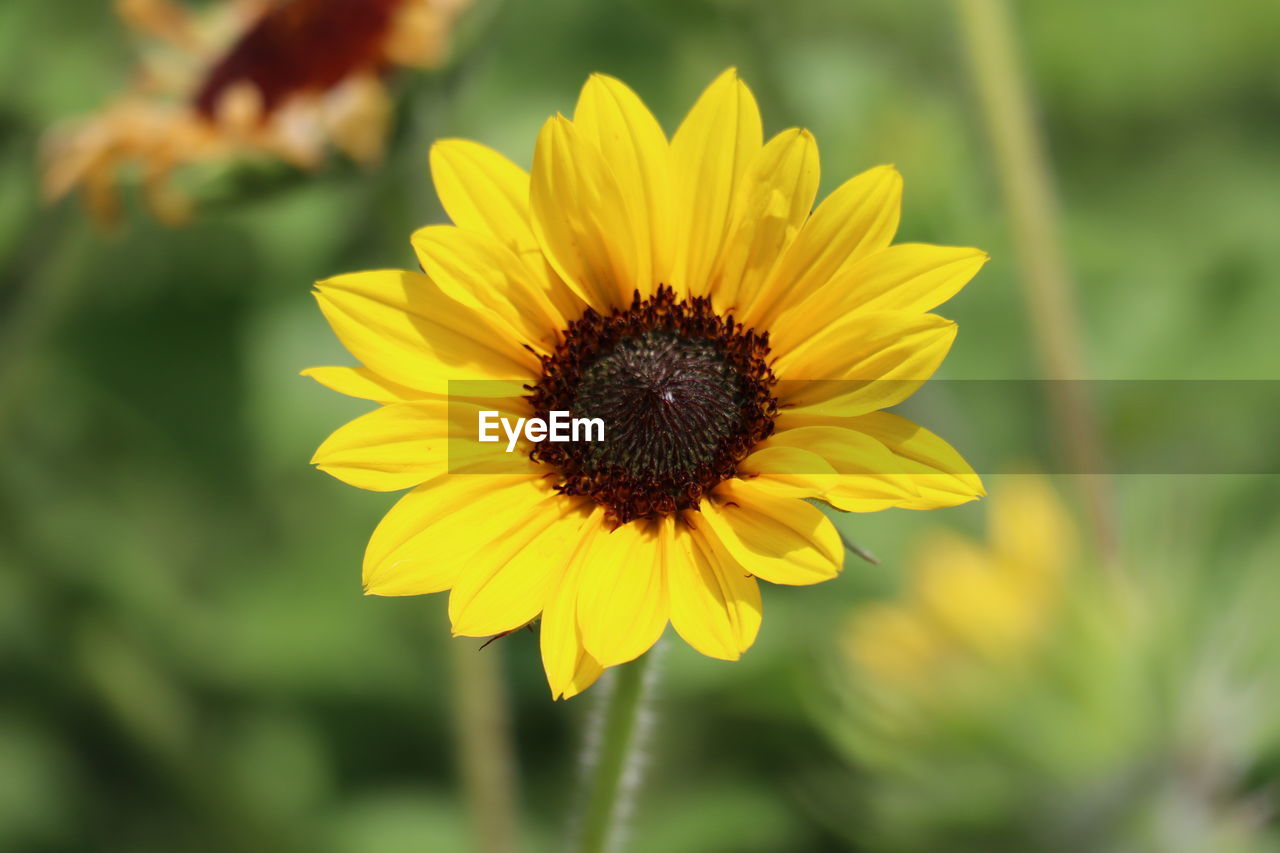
738,345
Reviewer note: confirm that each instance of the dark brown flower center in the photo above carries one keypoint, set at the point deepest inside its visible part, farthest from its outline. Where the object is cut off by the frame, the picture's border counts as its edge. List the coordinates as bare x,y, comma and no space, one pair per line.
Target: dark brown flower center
301,46
684,395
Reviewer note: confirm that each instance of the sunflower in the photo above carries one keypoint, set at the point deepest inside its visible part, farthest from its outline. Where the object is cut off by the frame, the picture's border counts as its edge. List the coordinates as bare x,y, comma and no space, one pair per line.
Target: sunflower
738,345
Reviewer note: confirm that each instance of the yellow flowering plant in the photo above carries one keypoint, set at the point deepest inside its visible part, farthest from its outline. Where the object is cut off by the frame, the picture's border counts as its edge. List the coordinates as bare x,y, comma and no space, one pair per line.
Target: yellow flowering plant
1014,696
738,345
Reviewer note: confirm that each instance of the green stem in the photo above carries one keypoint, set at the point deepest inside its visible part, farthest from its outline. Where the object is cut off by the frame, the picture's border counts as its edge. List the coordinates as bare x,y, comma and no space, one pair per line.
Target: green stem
611,768
38,286
484,749
1026,180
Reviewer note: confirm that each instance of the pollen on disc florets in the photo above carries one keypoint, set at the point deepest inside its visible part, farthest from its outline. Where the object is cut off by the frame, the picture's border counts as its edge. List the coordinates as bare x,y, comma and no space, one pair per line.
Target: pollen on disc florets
684,395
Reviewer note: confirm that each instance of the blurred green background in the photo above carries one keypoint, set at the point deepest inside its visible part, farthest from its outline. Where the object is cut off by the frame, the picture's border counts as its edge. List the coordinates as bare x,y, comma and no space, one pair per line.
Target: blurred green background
187,660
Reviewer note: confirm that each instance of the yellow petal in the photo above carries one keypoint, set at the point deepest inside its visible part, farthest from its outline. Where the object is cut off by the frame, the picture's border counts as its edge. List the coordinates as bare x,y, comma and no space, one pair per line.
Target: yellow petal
615,119
773,202
791,471
423,544
715,603
393,447
570,669
400,325
864,362
512,578
483,191
855,221
404,444
851,471
582,220
363,383
710,154
939,474
622,592
478,271
910,277
468,415
778,539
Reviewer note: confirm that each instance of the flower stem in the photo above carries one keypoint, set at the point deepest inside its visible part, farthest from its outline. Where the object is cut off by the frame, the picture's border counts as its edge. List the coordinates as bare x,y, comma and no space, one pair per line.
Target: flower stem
1026,180
611,767
484,746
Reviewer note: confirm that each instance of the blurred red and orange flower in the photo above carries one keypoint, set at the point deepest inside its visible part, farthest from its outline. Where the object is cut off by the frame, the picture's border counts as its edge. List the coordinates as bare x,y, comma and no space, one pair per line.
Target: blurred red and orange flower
284,79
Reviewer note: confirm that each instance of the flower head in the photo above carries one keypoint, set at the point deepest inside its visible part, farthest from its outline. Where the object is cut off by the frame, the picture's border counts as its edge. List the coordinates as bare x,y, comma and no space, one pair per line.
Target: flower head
971,607
738,346
1015,694
281,79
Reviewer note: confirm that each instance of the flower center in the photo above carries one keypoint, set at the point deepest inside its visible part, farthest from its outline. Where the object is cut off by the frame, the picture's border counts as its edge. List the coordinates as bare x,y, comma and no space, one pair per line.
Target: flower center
684,395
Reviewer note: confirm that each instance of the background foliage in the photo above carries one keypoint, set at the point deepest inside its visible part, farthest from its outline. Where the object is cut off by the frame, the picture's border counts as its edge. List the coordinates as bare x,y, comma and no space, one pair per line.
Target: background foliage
188,662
